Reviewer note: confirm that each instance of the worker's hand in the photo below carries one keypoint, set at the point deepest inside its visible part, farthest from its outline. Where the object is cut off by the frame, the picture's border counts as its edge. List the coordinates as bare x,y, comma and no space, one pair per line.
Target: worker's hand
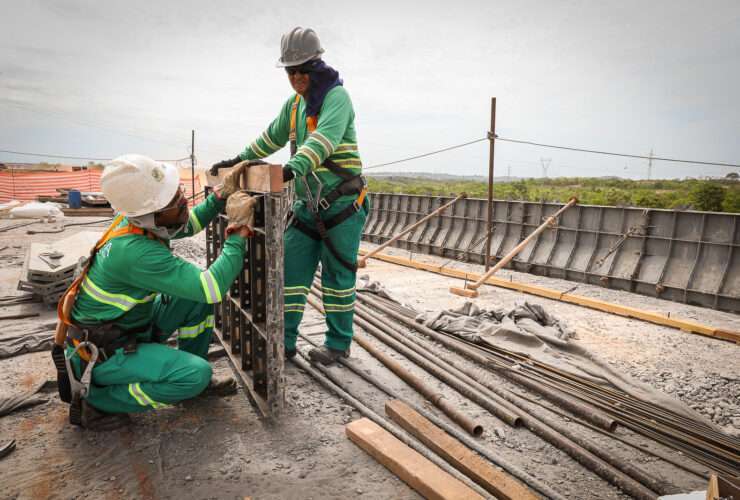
240,211
224,164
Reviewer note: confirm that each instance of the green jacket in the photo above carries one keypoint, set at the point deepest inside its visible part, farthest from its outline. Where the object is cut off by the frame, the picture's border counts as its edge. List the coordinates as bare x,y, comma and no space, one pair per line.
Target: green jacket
129,271
335,138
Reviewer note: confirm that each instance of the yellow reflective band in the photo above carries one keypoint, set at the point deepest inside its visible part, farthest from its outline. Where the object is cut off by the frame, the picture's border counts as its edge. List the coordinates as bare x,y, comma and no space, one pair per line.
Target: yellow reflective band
137,390
338,294
118,300
256,148
346,148
325,288
323,141
195,223
266,137
349,161
339,307
210,287
190,332
133,392
297,288
311,154
294,308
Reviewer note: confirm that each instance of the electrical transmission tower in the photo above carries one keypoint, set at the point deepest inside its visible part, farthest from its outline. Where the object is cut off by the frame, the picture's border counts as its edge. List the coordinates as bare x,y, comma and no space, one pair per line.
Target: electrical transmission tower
545,165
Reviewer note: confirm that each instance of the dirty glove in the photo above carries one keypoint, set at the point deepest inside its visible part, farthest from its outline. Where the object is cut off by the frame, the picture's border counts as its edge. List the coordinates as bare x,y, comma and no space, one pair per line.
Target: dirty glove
240,211
231,181
288,174
224,164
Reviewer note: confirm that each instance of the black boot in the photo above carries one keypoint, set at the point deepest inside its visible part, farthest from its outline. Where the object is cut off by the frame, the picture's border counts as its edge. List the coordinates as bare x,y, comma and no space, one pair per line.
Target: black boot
327,356
97,420
290,353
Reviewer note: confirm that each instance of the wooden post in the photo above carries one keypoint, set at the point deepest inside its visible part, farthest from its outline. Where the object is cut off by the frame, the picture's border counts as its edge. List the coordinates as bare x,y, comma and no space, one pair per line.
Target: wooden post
471,289
192,166
362,262
489,213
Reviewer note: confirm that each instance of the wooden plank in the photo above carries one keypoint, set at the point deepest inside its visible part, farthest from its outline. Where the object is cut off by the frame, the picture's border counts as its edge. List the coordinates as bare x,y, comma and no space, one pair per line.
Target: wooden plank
458,455
259,178
88,212
410,466
599,305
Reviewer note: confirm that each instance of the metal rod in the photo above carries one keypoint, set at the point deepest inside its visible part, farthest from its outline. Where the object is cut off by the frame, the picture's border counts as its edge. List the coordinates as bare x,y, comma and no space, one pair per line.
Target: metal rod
453,431
582,450
331,382
435,397
362,261
192,164
471,288
489,211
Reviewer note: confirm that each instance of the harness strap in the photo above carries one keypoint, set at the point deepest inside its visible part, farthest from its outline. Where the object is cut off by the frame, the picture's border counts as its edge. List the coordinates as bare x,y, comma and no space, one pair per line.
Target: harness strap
293,120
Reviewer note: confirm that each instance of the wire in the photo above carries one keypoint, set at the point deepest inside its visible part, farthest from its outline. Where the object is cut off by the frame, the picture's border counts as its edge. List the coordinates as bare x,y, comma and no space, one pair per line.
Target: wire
23,153
625,155
426,154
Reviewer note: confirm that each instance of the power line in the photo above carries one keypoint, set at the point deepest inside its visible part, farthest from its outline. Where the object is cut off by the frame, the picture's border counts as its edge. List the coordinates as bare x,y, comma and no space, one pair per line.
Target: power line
625,155
426,154
43,155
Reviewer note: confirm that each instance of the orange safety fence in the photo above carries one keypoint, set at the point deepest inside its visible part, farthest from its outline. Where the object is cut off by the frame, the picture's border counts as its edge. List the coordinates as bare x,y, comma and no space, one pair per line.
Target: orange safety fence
27,186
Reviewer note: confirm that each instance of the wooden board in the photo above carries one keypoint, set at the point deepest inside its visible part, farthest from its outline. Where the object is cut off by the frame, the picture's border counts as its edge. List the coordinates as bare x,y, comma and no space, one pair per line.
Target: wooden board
259,178
88,212
600,305
458,455
415,470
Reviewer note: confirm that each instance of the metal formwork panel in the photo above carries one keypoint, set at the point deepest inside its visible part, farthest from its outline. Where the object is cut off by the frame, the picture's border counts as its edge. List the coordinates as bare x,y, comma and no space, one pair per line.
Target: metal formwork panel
249,319
683,256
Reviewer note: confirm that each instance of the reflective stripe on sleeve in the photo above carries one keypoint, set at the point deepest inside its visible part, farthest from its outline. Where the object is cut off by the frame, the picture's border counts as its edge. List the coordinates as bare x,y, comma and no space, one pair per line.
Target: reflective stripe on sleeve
118,300
210,287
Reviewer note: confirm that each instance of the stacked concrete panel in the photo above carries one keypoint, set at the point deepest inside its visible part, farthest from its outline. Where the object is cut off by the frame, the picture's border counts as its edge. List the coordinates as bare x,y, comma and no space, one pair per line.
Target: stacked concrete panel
684,256
50,267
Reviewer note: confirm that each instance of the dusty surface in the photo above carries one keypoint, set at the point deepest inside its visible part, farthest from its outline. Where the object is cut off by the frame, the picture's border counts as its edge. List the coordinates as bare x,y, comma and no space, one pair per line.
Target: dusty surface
220,448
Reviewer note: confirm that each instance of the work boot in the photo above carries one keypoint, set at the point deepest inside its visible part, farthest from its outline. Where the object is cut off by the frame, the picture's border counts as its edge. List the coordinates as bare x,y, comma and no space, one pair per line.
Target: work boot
290,353
97,420
221,386
326,355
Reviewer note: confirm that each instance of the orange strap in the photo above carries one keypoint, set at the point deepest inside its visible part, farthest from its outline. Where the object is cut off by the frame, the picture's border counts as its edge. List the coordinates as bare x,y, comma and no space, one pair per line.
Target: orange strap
293,114
110,233
361,198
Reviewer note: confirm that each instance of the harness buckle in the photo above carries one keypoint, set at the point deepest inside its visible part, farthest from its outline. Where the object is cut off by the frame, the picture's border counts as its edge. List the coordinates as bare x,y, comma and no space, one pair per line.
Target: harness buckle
356,206
324,204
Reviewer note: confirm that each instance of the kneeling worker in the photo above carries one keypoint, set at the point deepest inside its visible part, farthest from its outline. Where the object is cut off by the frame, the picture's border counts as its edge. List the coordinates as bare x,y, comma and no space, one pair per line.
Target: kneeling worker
135,293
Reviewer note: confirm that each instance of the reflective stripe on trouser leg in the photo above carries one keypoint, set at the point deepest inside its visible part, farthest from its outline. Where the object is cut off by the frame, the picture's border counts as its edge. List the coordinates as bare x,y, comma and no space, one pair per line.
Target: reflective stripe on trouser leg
192,320
301,260
338,282
153,377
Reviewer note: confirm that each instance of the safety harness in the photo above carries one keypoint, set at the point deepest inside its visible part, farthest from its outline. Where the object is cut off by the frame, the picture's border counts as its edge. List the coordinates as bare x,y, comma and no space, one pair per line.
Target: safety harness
350,184
93,343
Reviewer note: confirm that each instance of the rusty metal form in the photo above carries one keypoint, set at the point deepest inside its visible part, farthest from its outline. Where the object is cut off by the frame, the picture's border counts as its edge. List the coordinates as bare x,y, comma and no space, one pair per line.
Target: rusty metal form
249,320
683,256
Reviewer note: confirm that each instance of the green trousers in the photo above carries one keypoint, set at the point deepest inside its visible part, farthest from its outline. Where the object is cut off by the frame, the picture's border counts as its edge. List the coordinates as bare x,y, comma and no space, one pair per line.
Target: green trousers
302,257
157,375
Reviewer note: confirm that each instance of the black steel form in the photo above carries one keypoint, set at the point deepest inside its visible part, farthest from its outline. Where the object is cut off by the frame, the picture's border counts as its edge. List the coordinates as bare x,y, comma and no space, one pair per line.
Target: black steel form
249,319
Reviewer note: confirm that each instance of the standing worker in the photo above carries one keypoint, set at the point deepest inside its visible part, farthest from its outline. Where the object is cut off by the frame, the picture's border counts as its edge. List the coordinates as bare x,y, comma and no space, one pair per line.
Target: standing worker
135,293
330,207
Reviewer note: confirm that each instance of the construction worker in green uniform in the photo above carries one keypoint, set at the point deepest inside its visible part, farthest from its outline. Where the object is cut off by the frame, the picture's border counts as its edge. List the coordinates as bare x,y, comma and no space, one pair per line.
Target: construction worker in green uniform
330,207
136,293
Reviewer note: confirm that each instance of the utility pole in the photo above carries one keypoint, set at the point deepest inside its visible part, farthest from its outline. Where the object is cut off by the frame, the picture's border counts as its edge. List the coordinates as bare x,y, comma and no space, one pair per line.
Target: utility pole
545,165
192,165
508,173
650,165
489,212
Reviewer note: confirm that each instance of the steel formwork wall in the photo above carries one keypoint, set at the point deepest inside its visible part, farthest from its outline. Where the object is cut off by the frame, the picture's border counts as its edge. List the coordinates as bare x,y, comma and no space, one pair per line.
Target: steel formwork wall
684,256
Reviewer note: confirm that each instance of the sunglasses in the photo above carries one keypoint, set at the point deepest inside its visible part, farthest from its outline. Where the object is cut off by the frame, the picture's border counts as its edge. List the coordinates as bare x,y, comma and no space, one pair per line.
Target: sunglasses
304,69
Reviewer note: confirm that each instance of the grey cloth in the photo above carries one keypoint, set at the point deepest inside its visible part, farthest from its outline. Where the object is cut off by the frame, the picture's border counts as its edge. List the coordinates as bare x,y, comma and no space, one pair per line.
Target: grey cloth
21,344
23,400
529,330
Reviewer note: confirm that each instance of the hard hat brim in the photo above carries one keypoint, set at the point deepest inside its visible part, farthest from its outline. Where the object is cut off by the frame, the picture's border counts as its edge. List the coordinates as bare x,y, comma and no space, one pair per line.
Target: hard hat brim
284,64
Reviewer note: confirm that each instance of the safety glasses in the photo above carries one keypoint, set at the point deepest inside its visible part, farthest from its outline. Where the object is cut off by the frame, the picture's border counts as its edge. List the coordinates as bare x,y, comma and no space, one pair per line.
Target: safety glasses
303,69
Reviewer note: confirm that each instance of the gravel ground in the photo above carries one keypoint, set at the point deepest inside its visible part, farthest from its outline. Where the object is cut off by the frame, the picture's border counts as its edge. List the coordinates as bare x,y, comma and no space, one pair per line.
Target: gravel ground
220,448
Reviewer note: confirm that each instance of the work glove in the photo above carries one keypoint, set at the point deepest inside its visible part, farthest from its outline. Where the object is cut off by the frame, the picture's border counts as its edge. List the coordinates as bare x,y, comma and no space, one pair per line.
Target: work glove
288,174
240,211
224,164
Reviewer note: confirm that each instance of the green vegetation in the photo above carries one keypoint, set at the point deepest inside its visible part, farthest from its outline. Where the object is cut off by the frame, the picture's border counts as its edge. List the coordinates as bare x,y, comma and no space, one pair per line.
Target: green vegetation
719,195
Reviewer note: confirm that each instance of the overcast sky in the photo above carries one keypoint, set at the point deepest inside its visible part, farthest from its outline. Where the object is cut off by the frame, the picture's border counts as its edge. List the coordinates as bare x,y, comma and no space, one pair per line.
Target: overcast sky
103,78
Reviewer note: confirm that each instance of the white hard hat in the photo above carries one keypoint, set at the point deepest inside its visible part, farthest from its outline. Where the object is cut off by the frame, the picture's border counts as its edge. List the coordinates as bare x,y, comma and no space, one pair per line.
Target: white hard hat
137,185
298,46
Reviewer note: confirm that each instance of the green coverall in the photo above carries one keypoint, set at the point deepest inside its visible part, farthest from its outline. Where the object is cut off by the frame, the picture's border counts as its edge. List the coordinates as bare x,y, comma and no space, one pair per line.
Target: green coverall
335,139
137,283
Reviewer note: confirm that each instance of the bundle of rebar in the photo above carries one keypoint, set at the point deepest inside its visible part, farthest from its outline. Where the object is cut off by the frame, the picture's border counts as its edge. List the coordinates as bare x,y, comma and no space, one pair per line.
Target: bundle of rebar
597,404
